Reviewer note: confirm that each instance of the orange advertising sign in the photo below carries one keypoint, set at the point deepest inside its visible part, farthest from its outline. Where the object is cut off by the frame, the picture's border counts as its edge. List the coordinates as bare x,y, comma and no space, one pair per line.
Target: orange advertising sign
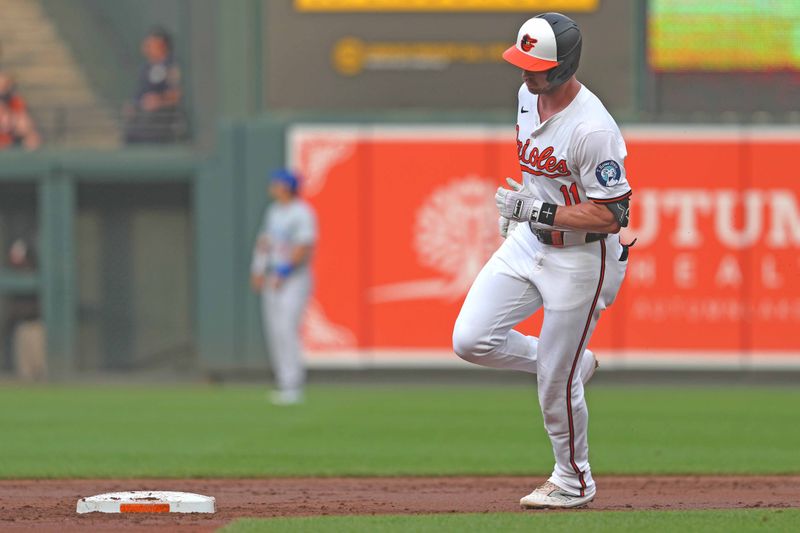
407,219
333,6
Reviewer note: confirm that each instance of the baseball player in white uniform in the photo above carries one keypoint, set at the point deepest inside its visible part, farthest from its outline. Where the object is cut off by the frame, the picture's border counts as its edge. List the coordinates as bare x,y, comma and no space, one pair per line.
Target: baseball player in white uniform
561,250
280,273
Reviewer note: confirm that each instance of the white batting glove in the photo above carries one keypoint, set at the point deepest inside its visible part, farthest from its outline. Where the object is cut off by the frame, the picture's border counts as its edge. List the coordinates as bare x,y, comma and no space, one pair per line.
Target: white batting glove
507,205
522,206
519,206
506,226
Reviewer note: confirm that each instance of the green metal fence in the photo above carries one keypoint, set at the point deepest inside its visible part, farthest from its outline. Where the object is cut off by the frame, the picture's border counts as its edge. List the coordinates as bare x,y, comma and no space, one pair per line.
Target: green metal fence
57,178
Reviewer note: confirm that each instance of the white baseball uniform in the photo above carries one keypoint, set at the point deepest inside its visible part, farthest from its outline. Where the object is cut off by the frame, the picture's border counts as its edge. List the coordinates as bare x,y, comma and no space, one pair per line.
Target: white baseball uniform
575,156
285,226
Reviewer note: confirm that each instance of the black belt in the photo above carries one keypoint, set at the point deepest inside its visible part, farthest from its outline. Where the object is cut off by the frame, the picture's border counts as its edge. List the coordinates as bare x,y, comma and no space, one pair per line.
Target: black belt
556,238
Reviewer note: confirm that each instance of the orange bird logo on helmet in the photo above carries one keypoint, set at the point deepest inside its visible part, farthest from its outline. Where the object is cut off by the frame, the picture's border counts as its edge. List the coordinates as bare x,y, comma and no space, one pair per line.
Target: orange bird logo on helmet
527,43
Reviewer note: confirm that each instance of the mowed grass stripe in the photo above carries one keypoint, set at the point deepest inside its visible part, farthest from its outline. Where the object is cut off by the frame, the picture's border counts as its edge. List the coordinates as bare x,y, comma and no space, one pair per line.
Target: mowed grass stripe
712,521
419,430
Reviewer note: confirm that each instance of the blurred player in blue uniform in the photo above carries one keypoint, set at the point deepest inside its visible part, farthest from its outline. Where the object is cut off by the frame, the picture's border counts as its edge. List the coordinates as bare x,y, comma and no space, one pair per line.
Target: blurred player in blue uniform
280,272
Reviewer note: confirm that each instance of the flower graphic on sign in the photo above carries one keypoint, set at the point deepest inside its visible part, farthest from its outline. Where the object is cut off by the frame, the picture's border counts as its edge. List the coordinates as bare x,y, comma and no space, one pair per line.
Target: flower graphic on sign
317,157
455,233
319,331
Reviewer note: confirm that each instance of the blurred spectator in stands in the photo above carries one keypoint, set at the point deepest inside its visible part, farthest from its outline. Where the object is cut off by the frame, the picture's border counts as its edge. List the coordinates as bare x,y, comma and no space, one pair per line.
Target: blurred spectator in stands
16,125
23,331
155,115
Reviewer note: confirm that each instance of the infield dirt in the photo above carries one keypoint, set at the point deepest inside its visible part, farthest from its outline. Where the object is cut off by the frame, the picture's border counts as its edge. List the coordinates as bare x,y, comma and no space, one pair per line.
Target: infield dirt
49,505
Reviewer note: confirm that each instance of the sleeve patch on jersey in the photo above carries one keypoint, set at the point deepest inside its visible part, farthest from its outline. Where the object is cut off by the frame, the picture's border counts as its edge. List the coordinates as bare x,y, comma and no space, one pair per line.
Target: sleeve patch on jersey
608,173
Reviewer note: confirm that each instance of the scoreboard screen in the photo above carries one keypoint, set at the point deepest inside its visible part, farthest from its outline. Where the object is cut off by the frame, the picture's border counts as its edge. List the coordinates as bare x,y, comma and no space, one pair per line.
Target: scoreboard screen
725,36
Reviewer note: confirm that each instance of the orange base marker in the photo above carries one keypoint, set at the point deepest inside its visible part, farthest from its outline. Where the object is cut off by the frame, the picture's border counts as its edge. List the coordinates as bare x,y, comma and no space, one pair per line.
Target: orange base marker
144,508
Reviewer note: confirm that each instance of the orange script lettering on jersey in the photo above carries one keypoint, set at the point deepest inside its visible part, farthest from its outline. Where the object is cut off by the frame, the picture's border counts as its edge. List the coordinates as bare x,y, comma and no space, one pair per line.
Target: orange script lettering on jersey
540,163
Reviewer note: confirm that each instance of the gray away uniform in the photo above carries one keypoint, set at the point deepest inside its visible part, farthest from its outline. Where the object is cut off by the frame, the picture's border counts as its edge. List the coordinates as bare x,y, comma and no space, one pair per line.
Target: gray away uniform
286,226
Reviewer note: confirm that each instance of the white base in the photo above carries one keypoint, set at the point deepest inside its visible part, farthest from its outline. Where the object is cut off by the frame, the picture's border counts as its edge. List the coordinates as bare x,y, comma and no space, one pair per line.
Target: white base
147,501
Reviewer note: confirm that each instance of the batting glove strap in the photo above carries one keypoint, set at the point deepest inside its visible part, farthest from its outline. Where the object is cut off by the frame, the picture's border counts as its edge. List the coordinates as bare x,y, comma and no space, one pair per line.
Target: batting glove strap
515,205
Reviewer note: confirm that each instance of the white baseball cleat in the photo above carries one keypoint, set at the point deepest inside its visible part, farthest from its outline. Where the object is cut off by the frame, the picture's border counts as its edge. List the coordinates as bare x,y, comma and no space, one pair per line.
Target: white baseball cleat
588,367
286,397
551,496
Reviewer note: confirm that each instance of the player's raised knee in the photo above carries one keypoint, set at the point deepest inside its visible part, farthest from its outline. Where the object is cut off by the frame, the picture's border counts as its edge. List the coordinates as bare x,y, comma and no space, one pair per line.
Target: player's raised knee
469,342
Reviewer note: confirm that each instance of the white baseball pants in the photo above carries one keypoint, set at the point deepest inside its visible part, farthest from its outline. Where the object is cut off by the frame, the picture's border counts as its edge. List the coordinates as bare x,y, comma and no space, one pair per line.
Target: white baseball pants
573,284
282,313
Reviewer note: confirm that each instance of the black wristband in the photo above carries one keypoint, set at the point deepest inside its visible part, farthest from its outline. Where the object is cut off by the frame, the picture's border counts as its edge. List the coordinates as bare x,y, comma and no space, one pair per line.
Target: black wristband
547,214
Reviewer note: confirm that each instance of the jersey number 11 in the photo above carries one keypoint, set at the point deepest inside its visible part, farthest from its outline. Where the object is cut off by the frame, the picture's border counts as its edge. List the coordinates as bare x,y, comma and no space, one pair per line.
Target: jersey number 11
573,189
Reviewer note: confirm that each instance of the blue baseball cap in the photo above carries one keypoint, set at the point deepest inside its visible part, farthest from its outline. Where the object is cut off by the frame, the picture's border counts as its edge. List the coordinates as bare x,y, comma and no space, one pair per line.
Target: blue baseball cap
286,177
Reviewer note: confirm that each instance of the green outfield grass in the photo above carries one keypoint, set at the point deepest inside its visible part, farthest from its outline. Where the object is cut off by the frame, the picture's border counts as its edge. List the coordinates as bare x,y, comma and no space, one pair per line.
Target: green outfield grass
732,521
233,431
